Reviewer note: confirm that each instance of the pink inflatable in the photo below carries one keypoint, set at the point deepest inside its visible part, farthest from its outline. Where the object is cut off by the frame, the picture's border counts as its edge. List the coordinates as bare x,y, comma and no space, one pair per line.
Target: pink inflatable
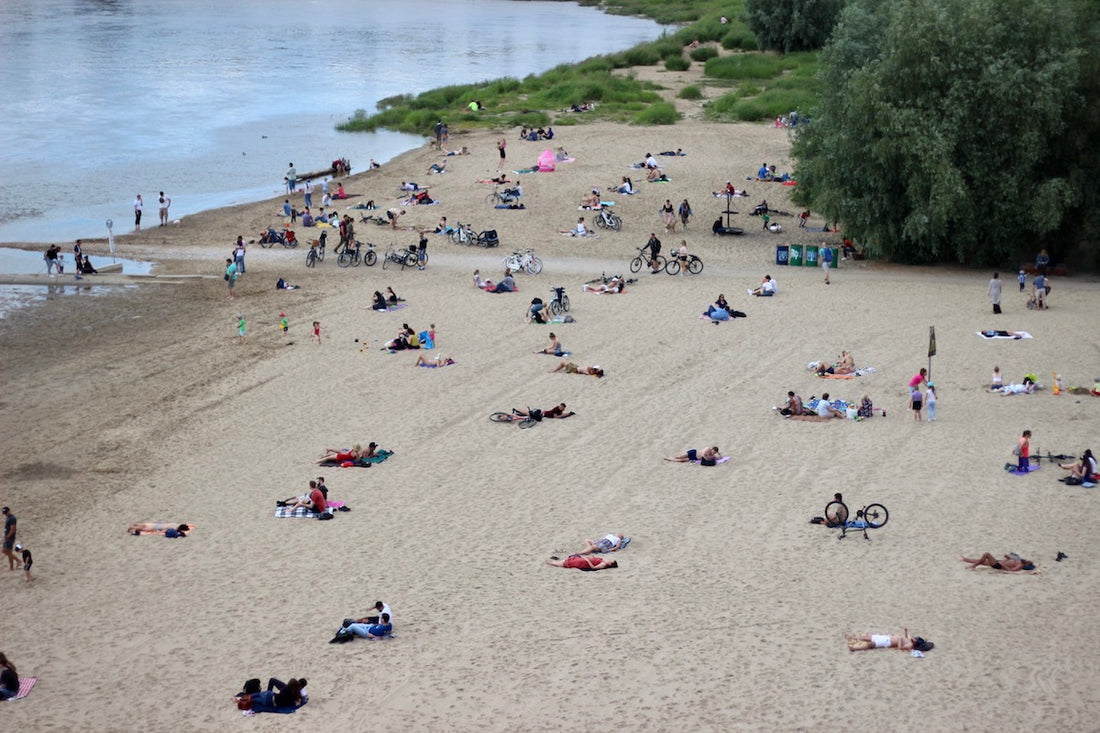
547,161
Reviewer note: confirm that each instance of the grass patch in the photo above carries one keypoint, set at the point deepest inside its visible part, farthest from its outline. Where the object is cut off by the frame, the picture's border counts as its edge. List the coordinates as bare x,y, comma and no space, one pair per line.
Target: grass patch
677,63
661,113
703,53
745,66
691,91
740,39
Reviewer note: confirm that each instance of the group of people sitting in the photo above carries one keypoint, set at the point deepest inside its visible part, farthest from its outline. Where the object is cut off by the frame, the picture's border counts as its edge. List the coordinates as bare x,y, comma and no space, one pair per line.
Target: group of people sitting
1081,472
377,624
407,339
506,284
316,499
794,407
383,302
767,287
535,135
720,310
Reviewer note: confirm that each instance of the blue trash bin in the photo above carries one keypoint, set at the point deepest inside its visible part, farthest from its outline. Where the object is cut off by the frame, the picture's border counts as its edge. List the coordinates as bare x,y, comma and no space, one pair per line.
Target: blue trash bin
782,253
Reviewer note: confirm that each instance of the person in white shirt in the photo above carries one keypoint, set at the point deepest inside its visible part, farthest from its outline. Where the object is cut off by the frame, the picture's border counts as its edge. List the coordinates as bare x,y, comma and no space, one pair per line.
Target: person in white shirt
379,608
580,230
608,543
766,288
163,202
824,409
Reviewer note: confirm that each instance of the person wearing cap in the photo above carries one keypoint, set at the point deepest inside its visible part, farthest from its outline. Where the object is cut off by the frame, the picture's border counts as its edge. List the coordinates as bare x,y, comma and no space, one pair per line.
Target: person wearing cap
863,642
10,527
27,560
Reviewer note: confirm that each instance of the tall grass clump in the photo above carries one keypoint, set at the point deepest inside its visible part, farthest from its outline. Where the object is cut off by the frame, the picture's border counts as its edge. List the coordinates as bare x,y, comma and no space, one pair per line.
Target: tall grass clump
659,113
690,92
677,63
740,38
703,53
744,66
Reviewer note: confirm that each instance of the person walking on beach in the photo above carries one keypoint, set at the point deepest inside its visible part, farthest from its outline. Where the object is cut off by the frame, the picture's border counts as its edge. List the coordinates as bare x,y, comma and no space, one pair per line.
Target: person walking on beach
669,215
292,179
230,276
51,259
163,202
995,292
307,189
10,527
826,257
685,213
137,212
500,147
422,252
238,255
240,328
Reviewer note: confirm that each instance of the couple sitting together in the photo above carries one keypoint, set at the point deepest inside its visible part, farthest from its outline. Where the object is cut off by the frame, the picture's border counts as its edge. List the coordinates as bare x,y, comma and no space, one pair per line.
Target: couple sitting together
378,625
507,283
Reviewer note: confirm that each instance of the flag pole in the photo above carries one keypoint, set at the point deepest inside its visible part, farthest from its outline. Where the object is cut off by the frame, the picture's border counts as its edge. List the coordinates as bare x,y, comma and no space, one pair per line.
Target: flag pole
931,349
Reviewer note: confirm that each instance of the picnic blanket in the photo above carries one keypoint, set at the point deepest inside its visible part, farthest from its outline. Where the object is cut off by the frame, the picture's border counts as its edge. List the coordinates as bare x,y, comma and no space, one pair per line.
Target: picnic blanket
1013,335
856,373
717,462
299,512
391,308
25,685
364,207
535,169
811,404
284,710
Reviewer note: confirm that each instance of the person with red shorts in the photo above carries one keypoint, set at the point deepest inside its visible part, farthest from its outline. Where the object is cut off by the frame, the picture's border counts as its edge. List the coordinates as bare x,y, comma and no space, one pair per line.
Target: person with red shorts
580,562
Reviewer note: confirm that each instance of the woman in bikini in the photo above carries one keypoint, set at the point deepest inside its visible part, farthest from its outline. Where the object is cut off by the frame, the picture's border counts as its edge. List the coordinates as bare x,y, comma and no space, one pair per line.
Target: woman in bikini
1009,564
332,455
863,642
571,368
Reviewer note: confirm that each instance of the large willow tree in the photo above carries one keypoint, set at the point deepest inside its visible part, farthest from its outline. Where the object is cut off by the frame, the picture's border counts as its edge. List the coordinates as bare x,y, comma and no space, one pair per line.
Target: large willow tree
941,131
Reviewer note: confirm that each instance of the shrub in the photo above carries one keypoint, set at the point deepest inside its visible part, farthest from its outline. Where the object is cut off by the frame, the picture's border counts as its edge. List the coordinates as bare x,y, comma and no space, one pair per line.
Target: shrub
739,38
660,113
744,66
641,56
702,53
677,63
691,92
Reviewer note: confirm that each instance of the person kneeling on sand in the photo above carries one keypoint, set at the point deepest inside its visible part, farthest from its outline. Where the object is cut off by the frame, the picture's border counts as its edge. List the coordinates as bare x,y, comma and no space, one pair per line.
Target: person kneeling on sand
708,457
571,368
579,562
1010,564
863,642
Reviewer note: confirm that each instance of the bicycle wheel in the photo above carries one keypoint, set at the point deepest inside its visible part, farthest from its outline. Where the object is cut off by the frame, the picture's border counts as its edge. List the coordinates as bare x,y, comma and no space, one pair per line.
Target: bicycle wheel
695,265
355,258
555,308
370,258
636,264
876,515
600,222
492,199
344,259
321,253
836,513
268,244
564,302
616,222
528,422
409,261
502,417
672,267
456,236
311,258
534,267
388,259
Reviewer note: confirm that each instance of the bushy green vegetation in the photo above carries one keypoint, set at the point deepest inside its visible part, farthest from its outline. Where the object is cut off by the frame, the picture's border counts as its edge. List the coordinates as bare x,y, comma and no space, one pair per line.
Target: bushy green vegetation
702,53
792,25
740,38
677,63
744,66
957,130
691,91
661,113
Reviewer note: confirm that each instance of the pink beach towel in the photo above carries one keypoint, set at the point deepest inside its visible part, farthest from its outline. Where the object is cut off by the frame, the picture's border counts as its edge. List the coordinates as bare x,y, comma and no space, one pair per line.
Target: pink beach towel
25,685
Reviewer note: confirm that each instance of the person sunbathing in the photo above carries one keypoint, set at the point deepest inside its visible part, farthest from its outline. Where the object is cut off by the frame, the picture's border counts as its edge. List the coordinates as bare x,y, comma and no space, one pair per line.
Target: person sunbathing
579,230
379,630
654,175
391,297
553,412
708,457
613,285
592,200
277,695
554,348
571,368
1010,563
561,156
333,455
863,642
720,304
845,364
626,187
314,501
793,405
608,543
1010,389
437,361
579,562
158,528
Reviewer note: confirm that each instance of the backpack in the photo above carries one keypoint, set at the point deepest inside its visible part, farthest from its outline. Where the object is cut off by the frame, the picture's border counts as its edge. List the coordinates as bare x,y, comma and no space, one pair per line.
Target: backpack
827,254
280,284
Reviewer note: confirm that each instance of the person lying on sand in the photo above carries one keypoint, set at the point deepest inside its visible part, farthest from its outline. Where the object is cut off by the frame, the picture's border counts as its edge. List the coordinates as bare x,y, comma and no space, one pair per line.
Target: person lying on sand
613,285
571,368
608,543
333,455
580,562
366,631
845,364
863,642
436,361
1010,564
553,412
158,528
501,179
708,457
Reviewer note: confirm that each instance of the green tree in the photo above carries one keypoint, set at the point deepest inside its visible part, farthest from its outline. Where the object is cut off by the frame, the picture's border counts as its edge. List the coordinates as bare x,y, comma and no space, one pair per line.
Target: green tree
939,128
792,25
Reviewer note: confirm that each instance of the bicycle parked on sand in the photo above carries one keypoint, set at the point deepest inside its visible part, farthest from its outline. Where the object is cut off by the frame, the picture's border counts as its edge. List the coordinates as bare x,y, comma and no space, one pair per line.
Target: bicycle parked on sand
872,516
525,421
523,261
694,265
645,259
316,251
560,302
405,257
350,256
604,219
507,196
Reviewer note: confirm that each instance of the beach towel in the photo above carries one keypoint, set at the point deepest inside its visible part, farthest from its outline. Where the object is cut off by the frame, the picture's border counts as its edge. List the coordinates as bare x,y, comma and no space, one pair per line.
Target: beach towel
811,405
717,462
389,308
382,455
426,340
286,710
732,314
1018,335
363,207
527,170
452,362
25,685
511,207
299,512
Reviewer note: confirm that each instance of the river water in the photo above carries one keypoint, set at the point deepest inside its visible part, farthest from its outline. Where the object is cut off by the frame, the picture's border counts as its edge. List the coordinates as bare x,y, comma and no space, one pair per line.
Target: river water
210,101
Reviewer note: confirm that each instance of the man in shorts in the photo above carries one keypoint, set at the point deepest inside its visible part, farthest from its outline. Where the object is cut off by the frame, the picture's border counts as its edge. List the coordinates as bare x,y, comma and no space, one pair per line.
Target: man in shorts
9,537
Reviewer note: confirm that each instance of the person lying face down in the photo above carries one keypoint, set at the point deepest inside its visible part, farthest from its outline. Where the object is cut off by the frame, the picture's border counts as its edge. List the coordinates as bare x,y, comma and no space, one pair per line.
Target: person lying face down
580,562
570,368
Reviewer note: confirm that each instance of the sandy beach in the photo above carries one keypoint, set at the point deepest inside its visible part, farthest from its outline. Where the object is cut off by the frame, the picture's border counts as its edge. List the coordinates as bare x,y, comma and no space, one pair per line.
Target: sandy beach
728,609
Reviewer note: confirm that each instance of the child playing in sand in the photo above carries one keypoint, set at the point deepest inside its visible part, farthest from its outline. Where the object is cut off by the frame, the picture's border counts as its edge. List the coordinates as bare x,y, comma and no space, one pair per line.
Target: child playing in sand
316,332
998,381
915,401
930,400
283,324
240,328
27,561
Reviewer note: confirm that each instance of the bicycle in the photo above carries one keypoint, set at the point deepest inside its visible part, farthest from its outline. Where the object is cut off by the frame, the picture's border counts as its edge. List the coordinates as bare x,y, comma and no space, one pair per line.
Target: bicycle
559,303
694,266
525,261
644,259
316,251
404,257
606,220
350,256
463,234
285,238
508,196
872,516
525,421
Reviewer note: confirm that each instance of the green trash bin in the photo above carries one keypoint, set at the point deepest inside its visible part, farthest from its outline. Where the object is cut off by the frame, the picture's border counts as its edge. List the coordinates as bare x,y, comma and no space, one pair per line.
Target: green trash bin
795,258
836,257
810,257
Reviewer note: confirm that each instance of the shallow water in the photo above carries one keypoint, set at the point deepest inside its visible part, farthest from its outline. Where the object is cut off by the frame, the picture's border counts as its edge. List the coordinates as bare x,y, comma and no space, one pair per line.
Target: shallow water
29,262
109,98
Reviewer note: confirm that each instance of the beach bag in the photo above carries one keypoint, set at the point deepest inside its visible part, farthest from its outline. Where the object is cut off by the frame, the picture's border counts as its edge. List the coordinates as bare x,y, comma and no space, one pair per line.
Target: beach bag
280,284
1016,451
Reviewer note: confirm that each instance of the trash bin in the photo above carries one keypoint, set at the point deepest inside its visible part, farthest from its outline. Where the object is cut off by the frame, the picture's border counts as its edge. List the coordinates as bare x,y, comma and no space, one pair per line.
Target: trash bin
782,252
795,259
810,257
836,257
